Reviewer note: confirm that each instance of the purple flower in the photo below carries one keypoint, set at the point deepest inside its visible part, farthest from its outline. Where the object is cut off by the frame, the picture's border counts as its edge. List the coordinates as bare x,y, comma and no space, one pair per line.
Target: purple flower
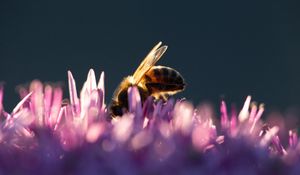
45,135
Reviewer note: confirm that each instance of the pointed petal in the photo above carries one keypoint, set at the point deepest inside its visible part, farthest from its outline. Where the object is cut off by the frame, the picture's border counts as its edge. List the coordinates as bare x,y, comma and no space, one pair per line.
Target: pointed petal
257,117
293,139
24,117
94,107
60,115
101,87
85,100
47,102
19,105
101,100
56,105
278,146
157,109
73,93
148,107
37,101
233,120
154,119
252,112
91,81
134,101
244,114
94,96
269,135
260,112
167,108
224,115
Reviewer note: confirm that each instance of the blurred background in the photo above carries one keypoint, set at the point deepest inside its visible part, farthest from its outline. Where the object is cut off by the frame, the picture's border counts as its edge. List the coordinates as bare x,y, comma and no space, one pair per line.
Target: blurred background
224,49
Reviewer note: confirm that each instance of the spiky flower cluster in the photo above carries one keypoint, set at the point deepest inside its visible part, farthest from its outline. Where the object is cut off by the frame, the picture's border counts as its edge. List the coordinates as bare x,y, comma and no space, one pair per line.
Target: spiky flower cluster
42,135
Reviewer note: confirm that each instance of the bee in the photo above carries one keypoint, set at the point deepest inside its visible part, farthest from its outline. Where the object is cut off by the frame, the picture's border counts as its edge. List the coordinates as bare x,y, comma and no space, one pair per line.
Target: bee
157,81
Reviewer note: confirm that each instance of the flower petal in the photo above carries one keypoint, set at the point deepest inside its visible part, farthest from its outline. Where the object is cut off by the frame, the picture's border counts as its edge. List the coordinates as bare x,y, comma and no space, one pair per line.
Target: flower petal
73,93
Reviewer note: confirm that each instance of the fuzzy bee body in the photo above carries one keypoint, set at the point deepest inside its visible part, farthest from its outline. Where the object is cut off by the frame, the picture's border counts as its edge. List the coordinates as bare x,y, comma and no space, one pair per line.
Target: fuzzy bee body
157,81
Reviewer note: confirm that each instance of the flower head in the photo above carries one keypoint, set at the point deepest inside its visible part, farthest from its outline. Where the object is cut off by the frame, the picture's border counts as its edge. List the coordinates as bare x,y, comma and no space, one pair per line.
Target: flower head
45,135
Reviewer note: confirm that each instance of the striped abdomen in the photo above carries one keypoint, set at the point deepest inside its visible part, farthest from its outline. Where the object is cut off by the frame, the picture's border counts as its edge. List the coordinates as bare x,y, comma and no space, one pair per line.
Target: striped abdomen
162,80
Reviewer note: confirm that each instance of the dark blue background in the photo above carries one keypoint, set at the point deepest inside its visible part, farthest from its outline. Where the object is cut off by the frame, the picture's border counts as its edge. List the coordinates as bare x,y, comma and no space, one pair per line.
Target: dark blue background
222,48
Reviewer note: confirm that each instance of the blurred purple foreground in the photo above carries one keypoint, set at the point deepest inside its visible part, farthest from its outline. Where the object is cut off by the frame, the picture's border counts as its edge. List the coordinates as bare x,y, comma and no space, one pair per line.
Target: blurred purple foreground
44,136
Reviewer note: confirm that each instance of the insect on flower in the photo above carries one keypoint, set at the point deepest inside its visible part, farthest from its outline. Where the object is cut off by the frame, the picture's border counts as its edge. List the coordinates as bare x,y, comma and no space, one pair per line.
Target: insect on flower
157,81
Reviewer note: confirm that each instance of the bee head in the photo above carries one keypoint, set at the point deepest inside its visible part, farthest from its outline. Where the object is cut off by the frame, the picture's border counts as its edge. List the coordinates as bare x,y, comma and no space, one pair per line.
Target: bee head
119,107
116,110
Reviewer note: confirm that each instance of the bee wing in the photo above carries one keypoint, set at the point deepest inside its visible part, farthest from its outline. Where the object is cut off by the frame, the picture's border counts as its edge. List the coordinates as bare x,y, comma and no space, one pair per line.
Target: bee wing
149,61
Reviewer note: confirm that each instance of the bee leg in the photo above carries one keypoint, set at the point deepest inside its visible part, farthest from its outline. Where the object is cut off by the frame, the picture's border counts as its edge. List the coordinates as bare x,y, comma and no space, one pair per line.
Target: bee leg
164,97
161,96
